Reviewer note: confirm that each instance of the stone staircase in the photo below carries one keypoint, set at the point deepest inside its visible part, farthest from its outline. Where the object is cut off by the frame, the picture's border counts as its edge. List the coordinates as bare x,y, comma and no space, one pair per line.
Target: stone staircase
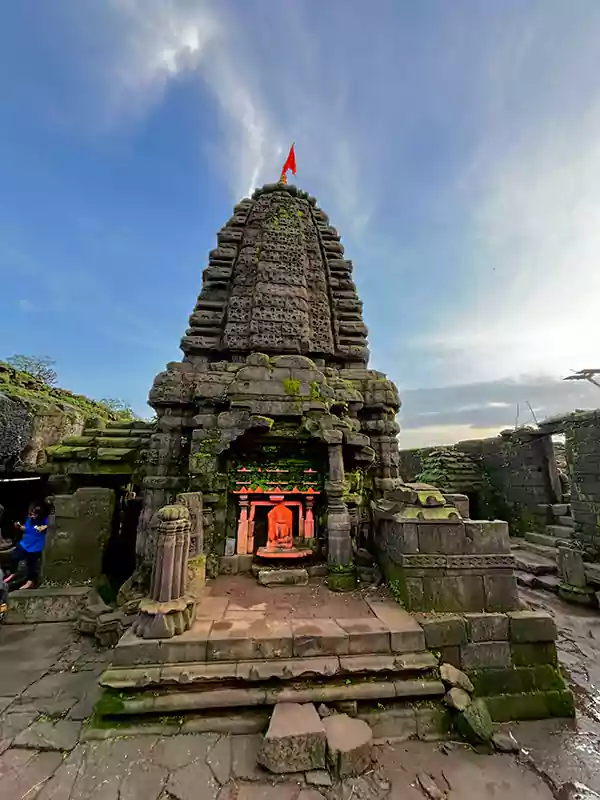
536,553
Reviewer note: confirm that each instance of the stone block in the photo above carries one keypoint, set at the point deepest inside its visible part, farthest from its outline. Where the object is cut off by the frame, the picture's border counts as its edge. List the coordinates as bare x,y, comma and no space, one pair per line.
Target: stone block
501,593
229,641
433,723
319,637
487,627
475,723
457,698
571,567
228,565
454,593
452,676
487,537
534,653
349,745
485,654
406,635
272,638
47,604
531,626
295,740
436,538
186,647
245,563
279,577
399,724
366,635
444,630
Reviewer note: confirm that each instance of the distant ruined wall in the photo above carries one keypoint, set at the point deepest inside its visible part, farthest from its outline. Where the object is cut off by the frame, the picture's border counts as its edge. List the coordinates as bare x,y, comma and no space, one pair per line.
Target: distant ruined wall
516,474
582,440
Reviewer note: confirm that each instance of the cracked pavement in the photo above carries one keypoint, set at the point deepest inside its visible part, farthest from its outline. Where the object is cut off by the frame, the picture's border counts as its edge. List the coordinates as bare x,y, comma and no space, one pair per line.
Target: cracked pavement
48,686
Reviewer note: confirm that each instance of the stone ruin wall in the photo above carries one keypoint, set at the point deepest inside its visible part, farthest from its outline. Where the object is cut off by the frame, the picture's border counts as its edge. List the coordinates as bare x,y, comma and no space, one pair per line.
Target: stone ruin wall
517,474
582,446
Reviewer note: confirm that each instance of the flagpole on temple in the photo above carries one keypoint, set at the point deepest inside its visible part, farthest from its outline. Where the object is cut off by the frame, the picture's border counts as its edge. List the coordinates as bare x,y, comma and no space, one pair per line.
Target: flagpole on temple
290,164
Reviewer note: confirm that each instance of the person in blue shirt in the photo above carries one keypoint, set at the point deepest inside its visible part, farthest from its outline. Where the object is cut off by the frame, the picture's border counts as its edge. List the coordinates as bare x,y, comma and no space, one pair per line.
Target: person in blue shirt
31,545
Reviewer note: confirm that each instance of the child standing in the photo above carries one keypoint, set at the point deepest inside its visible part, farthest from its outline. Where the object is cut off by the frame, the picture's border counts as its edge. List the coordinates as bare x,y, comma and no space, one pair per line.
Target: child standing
31,545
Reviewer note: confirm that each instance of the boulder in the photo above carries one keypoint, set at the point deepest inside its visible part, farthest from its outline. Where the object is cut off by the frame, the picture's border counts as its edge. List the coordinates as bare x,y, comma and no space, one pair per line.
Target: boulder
452,676
458,699
295,740
505,742
475,723
349,745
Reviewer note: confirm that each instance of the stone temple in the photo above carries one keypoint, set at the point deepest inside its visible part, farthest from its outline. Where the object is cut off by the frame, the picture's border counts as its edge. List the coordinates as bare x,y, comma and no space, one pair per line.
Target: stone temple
273,463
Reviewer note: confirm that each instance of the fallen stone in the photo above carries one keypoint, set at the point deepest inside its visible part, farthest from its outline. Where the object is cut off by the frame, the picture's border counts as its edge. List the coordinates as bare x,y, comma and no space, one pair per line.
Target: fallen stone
318,777
457,698
61,735
295,740
452,676
505,742
277,577
349,745
430,787
323,711
475,723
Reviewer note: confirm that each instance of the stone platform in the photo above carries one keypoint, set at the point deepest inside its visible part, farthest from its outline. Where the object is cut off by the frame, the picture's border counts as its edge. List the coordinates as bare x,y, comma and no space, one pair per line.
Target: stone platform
252,647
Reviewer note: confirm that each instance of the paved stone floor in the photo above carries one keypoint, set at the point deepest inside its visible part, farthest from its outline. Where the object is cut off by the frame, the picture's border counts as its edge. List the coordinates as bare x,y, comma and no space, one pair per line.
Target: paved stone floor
245,596
48,685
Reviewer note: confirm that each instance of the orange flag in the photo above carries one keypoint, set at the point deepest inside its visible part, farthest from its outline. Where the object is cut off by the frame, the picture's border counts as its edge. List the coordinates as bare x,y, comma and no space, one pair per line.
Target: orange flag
290,164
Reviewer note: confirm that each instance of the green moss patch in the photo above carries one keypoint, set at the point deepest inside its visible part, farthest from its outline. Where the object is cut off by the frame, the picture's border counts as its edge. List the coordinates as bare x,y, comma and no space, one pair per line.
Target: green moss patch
532,705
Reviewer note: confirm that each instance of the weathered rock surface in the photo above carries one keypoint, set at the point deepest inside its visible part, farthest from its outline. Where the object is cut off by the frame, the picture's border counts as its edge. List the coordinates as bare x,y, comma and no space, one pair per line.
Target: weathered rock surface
475,723
452,676
457,698
295,740
349,744
505,742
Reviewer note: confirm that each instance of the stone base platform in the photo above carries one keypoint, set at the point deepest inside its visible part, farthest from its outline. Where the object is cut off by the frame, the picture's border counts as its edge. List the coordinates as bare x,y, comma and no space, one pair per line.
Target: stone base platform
252,647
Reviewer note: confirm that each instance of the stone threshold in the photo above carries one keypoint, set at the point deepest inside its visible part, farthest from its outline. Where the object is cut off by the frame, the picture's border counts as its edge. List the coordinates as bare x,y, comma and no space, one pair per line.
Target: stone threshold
356,689
188,674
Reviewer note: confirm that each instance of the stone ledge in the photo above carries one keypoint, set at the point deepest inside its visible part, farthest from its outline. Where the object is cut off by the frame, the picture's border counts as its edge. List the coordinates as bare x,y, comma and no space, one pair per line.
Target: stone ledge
187,674
48,604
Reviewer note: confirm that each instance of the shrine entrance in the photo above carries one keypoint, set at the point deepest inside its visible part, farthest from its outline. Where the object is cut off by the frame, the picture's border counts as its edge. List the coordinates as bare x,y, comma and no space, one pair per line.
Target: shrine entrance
276,488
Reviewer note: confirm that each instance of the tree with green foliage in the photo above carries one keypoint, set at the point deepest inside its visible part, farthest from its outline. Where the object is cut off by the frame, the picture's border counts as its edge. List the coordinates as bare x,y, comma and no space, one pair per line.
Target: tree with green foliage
40,367
119,407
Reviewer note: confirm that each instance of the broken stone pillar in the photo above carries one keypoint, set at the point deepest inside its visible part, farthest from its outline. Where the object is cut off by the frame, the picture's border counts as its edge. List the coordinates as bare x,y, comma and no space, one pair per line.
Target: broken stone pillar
196,565
295,740
571,569
349,745
169,610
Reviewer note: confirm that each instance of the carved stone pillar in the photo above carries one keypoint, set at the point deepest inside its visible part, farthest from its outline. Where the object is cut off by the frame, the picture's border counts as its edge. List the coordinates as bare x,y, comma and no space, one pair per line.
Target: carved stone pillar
339,550
169,610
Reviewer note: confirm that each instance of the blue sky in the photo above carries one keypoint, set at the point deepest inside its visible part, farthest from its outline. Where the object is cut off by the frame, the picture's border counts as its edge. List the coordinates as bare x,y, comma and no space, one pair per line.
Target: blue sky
455,145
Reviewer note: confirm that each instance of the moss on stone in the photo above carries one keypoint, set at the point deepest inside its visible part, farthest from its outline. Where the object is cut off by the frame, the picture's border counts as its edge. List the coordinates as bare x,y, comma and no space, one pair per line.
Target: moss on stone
291,387
517,680
532,654
531,705
341,577
110,704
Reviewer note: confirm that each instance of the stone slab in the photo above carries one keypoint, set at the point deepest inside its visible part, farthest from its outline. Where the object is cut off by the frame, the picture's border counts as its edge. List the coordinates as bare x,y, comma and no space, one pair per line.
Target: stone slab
295,740
319,637
406,635
272,638
212,607
480,655
188,646
29,606
282,577
366,635
393,724
60,735
536,564
229,640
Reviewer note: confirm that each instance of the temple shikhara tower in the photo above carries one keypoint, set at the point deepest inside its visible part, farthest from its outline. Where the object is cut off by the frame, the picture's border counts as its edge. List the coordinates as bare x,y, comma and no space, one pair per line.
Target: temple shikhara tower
273,410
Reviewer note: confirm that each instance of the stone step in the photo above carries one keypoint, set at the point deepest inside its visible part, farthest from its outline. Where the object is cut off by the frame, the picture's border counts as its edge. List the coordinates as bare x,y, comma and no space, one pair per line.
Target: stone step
533,563
530,581
559,531
203,673
561,509
566,522
178,702
544,539
251,636
539,549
